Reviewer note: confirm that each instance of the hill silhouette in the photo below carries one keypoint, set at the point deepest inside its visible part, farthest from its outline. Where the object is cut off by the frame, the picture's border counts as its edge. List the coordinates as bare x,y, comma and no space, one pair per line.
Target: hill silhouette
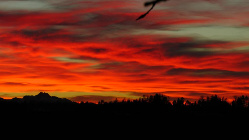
43,97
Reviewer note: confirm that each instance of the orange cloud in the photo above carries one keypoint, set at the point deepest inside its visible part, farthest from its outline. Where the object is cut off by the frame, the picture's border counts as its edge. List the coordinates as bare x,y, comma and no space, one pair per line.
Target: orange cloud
101,52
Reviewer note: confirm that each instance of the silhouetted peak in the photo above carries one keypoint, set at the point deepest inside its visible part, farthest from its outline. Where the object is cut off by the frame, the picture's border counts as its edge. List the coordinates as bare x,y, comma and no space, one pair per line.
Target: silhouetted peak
43,95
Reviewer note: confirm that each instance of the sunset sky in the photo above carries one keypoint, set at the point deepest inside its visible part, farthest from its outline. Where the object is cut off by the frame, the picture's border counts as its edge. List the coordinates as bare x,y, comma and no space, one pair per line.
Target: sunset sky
88,50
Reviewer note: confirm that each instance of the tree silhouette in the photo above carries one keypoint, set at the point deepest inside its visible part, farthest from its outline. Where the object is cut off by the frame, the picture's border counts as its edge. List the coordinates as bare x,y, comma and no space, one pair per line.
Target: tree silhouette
179,102
240,102
152,106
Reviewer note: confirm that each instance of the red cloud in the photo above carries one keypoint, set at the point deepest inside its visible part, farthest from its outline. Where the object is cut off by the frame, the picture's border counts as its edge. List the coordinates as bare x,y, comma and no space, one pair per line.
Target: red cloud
96,49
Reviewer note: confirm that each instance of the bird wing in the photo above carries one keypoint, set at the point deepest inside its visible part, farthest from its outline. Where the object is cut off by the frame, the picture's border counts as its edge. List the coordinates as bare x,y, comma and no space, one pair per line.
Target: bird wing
143,15
148,3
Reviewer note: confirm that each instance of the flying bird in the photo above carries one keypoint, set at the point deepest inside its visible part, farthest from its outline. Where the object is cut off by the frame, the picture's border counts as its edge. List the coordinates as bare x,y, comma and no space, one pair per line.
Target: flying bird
153,3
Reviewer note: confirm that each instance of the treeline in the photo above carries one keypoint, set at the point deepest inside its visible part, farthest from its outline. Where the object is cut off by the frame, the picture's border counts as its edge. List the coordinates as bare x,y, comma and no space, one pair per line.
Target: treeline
160,103
209,101
149,106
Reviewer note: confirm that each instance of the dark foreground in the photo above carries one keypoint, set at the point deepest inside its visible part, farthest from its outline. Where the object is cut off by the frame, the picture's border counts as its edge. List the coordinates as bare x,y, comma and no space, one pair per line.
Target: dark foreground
51,112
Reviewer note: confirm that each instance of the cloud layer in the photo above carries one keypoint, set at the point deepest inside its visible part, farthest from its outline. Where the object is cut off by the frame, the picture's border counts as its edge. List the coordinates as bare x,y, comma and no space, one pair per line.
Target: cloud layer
93,50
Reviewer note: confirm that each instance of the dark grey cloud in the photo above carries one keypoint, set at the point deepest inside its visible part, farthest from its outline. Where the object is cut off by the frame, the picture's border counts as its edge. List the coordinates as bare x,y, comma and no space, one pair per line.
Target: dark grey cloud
240,88
207,72
14,84
202,81
92,98
95,50
191,49
131,67
194,93
100,87
38,32
143,80
47,85
51,34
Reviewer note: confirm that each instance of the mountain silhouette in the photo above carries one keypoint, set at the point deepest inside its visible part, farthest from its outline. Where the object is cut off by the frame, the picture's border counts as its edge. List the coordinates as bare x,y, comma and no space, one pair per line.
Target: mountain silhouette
43,97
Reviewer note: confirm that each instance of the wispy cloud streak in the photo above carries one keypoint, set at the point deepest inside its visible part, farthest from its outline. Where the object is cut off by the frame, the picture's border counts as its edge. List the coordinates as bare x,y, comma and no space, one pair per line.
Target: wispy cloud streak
92,50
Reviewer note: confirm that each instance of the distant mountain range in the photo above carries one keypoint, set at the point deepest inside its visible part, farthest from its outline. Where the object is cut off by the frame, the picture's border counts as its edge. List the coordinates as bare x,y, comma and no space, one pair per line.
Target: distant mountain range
42,97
